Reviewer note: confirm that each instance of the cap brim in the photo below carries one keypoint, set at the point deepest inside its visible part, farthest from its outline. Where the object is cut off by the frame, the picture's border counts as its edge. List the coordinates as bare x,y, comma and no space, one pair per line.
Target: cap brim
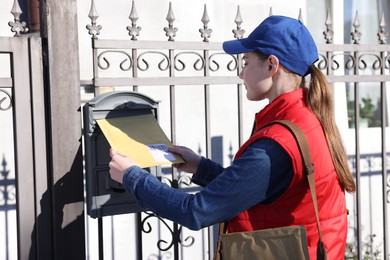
238,46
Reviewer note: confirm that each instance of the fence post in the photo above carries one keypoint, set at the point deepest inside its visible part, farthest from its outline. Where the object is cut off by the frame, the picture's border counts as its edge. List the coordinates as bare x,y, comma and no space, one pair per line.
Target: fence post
62,92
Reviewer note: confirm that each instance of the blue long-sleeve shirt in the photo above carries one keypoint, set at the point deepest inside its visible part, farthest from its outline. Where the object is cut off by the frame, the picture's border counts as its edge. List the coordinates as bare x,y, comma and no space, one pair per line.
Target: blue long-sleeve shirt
260,175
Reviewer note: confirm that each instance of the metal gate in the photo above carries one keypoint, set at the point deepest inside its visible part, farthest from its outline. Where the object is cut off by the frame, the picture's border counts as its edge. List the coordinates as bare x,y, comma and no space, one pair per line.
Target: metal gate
23,173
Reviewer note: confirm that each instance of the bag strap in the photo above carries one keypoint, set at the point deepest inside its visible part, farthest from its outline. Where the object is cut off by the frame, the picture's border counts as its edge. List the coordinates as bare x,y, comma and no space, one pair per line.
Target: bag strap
308,170
307,161
222,230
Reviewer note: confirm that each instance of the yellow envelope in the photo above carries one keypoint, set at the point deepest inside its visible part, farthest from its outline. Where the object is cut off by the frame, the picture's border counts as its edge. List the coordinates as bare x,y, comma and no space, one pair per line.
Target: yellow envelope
139,137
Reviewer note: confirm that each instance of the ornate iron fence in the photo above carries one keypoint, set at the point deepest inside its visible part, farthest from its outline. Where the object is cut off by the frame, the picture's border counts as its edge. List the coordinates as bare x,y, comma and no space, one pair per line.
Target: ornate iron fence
347,66
163,68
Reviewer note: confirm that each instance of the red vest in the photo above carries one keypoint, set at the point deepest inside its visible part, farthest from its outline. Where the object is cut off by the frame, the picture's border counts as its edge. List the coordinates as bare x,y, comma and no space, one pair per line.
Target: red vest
295,206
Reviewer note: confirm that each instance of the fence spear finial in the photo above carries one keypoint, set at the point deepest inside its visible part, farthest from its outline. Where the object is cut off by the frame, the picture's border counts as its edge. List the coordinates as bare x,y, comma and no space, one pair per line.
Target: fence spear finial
16,26
133,29
205,33
93,29
382,34
238,32
329,28
300,15
170,31
356,34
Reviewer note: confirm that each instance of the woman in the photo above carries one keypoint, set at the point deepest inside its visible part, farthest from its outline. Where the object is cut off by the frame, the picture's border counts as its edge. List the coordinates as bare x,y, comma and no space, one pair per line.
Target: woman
264,187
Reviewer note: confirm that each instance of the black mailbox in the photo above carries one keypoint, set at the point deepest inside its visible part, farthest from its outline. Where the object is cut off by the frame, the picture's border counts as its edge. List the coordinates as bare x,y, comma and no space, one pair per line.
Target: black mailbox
105,196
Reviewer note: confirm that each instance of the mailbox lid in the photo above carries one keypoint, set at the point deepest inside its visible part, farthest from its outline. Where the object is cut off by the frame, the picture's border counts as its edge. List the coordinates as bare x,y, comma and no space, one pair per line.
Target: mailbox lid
117,99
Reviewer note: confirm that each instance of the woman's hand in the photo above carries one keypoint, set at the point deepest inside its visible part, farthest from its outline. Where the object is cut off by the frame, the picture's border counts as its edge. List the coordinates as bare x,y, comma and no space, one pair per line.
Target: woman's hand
119,165
191,159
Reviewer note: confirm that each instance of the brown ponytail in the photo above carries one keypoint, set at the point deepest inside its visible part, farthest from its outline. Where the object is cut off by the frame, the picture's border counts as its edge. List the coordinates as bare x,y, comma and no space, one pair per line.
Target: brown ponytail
320,101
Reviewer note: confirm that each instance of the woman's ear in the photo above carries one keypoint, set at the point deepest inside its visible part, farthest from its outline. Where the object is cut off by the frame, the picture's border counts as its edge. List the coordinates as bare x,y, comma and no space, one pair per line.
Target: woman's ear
273,64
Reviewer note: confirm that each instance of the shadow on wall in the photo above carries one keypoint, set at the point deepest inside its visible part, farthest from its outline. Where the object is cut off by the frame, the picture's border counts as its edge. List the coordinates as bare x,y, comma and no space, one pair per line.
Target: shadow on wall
7,199
51,238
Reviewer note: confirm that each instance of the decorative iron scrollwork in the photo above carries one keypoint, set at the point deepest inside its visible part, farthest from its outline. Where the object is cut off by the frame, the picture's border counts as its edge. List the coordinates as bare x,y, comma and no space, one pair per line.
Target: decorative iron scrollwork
351,61
5,100
233,64
215,65
122,66
165,245
160,64
196,65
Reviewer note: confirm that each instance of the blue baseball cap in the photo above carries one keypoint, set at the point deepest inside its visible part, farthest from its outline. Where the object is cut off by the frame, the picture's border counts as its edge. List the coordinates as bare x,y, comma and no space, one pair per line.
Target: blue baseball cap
285,37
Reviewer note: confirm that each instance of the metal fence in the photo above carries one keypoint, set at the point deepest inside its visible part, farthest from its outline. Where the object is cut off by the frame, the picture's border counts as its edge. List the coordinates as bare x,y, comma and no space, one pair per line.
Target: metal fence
347,66
190,79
